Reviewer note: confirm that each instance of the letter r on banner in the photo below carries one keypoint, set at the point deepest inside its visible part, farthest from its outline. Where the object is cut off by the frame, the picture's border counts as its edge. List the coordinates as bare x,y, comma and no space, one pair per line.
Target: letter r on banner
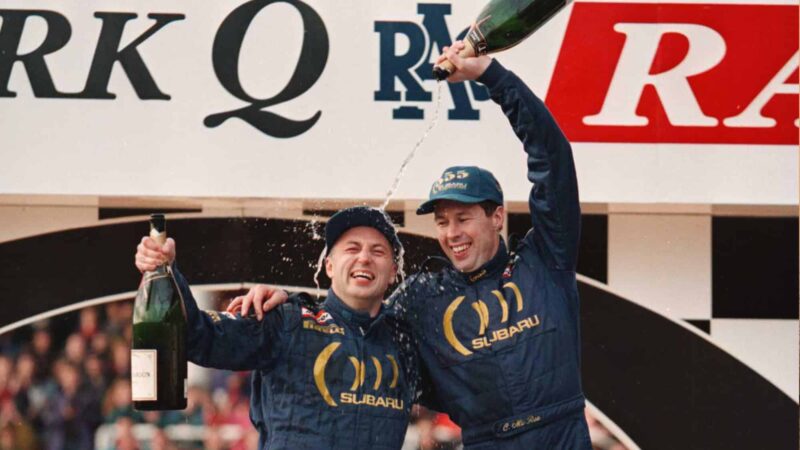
678,73
706,50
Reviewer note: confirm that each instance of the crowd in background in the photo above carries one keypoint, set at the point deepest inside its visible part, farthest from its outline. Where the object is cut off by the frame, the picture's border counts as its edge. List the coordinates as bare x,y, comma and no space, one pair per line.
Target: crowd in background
65,384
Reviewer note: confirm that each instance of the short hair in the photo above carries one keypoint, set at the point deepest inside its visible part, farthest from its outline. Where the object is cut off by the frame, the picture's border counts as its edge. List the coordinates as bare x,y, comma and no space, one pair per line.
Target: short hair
488,207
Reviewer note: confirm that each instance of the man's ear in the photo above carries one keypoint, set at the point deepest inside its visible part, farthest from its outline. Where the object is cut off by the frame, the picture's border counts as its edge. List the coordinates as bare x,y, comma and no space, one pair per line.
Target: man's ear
498,218
329,267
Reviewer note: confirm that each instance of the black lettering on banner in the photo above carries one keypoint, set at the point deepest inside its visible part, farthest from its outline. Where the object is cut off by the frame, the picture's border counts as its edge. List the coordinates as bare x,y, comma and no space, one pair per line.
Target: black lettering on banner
58,33
106,54
225,56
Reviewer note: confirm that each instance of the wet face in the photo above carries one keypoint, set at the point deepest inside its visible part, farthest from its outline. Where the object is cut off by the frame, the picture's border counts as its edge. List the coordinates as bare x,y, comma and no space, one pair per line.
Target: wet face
466,234
361,265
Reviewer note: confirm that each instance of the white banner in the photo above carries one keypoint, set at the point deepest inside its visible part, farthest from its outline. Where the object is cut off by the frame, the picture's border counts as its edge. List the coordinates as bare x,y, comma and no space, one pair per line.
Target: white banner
139,97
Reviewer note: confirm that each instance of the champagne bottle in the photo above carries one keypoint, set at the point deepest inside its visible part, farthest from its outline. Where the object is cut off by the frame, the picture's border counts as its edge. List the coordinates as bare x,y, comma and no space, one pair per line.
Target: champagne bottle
158,354
502,24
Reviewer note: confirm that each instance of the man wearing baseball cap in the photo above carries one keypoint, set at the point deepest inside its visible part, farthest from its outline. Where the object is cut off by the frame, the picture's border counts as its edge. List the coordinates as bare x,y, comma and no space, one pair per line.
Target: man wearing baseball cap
498,331
327,376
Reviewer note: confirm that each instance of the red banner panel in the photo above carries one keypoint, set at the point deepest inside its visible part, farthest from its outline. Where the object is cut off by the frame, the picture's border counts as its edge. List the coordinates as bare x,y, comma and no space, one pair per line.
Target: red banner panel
678,73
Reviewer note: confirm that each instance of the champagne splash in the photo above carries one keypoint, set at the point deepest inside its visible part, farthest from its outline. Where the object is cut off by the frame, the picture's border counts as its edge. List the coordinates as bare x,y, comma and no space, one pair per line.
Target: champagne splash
401,269
320,262
400,256
410,156
313,228
401,274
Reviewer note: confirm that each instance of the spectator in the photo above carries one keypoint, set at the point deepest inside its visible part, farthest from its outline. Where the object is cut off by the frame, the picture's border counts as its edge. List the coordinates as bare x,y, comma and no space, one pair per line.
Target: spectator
8,438
42,353
6,368
14,430
115,319
193,414
66,414
7,345
98,345
95,375
29,397
125,440
241,417
87,326
75,350
213,440
251,439
120,358
22,380
118,404
160,441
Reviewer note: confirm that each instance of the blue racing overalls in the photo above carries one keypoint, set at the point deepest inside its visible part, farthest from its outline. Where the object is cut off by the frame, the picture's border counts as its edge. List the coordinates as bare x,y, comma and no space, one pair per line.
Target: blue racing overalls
500,346
325,377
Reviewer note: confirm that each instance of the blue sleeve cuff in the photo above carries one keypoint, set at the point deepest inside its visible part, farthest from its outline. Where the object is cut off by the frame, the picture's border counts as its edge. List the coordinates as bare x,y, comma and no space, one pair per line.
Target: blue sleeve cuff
493,75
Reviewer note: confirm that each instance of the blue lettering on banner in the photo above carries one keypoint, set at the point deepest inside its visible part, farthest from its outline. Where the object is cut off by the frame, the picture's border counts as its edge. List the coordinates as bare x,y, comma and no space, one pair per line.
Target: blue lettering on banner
412,68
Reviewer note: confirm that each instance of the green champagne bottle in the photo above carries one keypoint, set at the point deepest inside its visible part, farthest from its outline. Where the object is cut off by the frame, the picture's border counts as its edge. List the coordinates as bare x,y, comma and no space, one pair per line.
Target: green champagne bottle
502,24
158,354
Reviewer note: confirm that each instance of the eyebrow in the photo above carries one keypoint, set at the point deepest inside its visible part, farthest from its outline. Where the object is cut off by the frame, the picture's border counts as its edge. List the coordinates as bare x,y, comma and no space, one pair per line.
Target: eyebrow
459,213
358,243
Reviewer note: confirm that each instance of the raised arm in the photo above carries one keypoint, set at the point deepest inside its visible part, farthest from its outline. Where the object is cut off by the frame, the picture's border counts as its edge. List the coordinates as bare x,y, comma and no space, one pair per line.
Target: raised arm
553,201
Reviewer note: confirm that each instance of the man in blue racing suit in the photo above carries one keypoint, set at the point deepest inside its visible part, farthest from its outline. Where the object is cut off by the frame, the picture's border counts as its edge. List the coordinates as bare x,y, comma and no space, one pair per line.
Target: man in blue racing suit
326,377
497,331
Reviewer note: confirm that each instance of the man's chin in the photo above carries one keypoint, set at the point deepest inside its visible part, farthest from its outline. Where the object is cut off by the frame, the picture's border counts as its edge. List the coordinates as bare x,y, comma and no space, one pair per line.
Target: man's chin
464,266
364,292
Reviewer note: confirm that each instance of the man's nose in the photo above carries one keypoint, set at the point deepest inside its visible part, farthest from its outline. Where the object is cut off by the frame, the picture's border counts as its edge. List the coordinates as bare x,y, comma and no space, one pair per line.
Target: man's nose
453,230
364,256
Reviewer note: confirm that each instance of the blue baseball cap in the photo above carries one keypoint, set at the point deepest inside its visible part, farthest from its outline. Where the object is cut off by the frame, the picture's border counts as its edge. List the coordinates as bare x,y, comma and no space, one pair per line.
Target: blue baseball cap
464,184
361,216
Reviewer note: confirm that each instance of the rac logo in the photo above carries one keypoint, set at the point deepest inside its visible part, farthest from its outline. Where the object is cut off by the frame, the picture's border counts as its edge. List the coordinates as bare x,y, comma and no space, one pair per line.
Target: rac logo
678,73
352,396
411,67
482,340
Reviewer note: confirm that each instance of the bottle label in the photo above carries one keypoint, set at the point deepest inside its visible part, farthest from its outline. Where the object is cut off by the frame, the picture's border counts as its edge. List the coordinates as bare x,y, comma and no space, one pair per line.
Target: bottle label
143,375
476,38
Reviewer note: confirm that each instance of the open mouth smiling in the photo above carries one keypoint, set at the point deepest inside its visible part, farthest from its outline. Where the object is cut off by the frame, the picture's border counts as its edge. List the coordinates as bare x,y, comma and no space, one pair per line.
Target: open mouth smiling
362,275
460,249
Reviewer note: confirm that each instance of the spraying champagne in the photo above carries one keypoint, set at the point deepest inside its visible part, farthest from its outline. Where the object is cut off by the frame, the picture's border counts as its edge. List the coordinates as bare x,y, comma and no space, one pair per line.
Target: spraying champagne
500,25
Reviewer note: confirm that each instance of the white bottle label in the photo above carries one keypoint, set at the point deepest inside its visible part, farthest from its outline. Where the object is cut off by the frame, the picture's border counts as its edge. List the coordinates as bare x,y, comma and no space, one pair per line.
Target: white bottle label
143,375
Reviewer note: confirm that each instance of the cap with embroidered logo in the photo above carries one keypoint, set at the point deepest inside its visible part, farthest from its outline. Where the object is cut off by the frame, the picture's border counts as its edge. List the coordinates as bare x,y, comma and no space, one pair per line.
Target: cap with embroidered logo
464,184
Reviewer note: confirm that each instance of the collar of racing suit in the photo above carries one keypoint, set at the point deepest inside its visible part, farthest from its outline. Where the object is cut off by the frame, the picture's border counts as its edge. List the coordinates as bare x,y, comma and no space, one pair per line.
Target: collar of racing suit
492,267
355,319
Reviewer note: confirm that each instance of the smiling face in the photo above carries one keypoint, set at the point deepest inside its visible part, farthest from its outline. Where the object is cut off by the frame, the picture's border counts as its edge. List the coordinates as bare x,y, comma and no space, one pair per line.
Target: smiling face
466,234
361,266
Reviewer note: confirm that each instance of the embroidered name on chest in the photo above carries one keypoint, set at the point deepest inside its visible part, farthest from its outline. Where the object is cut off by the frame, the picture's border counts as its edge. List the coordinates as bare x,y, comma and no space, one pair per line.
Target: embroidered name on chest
320,321
327,329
